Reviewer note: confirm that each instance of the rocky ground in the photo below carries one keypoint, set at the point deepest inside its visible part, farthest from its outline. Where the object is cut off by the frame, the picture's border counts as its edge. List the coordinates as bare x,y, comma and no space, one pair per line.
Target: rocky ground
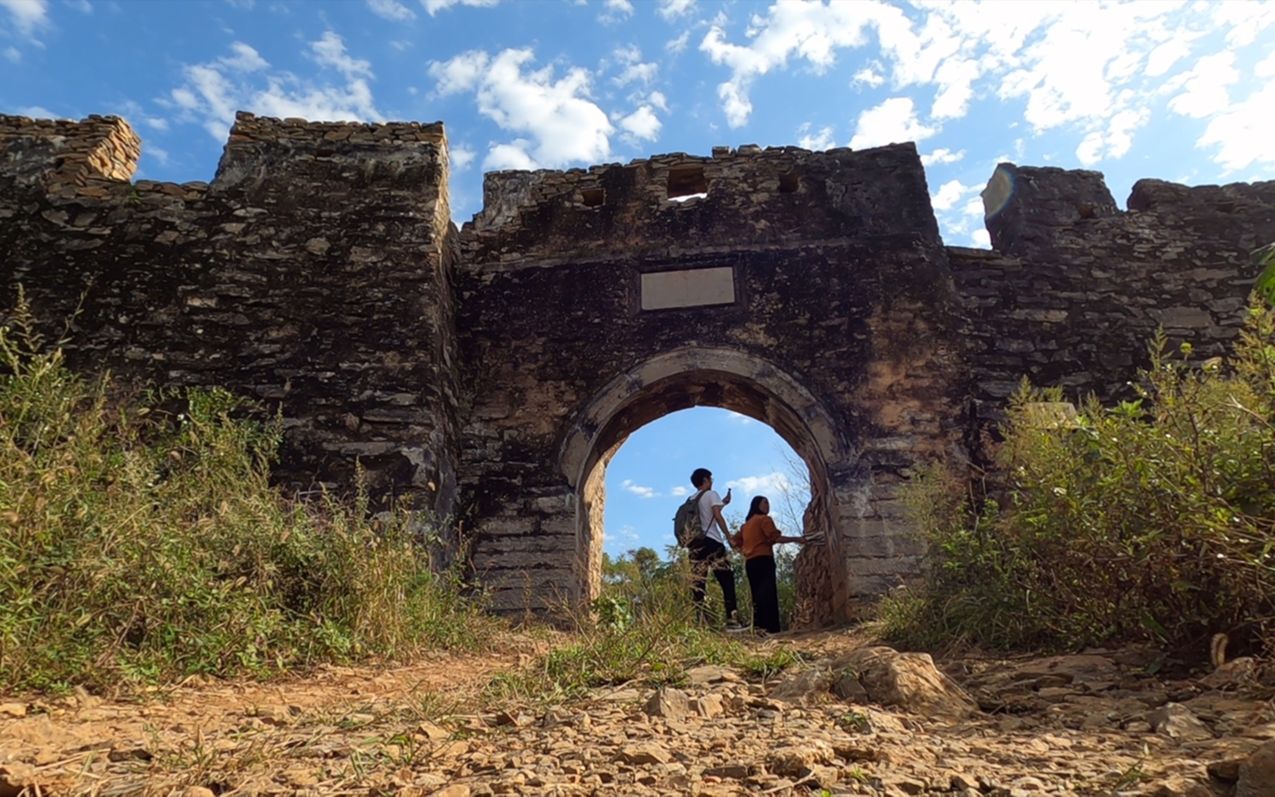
850,718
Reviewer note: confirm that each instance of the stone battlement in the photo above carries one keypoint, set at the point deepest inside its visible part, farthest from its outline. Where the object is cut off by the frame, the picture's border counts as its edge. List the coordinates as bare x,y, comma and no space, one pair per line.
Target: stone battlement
64,155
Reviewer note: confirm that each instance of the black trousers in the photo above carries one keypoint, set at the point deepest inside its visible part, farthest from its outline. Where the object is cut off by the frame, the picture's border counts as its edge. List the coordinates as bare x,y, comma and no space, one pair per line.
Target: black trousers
761,581
705,555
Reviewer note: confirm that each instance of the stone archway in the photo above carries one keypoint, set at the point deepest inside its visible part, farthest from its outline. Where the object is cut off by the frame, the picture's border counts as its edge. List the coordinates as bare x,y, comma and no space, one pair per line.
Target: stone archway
728,379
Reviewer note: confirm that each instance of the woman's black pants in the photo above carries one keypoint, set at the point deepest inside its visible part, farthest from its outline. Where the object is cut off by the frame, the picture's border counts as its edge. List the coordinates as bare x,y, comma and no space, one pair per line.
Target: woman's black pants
761,580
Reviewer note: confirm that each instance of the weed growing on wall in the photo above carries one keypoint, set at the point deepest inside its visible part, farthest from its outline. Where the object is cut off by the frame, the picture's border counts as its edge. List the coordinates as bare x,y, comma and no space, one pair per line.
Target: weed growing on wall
136,545
1150,520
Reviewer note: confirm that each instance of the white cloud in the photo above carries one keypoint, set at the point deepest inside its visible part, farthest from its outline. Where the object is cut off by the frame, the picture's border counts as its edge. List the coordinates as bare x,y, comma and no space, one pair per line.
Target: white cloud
808,31
329,51
561,124
12,54
27,15
160,156
981,239
679,491
83,6
461,157
641,124
1116,140
212,92
672,9
868,76
657,100
1205,86
892,121
940,156
434,6
243,58
39,112
391,10
949,194
638,489
635,71
510,156
974,207
679,44
623,8
156,123
769,484
1241,134
956,78
820,139
1163,57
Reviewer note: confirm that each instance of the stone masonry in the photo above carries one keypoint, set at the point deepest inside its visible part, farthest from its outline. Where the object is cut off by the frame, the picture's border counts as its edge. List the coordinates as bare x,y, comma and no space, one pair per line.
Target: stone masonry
489,374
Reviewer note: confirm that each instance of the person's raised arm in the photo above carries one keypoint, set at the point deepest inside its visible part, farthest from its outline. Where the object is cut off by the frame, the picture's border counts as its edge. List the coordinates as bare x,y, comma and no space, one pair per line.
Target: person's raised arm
721,521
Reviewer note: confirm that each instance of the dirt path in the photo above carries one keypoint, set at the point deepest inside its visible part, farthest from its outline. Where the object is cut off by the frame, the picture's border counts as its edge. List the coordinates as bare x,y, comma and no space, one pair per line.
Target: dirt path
847,720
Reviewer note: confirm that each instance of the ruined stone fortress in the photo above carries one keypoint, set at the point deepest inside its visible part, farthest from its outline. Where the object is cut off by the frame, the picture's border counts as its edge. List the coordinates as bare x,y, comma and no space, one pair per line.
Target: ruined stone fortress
490,372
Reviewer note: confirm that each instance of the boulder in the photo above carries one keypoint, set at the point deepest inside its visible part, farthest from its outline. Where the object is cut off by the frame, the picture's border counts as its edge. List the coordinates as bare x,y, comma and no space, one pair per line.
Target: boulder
909,681
1178,722
1257,773
668,703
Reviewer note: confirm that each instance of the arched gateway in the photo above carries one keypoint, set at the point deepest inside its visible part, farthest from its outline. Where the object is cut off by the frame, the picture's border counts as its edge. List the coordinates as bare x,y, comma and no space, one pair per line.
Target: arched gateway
806,290
490,372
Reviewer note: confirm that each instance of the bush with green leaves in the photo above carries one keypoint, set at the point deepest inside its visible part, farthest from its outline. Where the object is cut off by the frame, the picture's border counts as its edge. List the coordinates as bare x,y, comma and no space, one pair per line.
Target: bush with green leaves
136,545
1150,520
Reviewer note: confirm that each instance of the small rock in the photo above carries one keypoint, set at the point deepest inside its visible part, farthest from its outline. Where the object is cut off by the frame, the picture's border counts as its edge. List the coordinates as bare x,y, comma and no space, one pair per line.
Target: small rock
1228,770
731,771
1234,674
803,686
454,790
1257,773
433,731
132,753
709,706
15,710
710,674
1137,726
198,791
799,760
647,753
1182,787
848,688
668,703
961,781
1178,722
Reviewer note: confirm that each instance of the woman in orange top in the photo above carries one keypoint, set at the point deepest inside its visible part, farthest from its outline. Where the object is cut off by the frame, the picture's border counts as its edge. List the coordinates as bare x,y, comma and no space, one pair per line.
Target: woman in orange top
756,538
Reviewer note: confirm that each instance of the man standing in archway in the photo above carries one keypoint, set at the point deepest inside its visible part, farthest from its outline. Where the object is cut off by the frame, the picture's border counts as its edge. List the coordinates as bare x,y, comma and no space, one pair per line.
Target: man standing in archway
708,552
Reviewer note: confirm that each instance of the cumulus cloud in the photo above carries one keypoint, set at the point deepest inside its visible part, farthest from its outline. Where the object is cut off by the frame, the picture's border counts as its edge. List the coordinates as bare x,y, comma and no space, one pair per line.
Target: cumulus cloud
555,118
210,93
461,157
679,491
642,124
1204,88
817,140
634,70
869,76
392,10
981,238
893,121
1115,140
672,9
614,10
678,44
1241,135
769,484
432,7
639,490
27,15
940,156
949,194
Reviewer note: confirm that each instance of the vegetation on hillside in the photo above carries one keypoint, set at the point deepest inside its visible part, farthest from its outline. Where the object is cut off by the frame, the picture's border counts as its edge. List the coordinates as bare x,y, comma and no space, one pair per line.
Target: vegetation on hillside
137,545
1150,520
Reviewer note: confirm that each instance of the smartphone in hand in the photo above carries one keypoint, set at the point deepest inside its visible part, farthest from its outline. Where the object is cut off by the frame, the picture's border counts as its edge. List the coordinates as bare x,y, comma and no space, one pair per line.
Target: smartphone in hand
726,500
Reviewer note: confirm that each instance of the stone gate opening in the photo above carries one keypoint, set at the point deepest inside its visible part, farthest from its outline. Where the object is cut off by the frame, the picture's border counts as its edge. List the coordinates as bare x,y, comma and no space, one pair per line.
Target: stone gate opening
719,378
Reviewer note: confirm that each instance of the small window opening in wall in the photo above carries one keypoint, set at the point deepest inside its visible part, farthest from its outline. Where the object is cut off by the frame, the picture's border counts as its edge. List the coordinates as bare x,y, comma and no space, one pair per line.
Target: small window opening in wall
687,182
788,183
592,197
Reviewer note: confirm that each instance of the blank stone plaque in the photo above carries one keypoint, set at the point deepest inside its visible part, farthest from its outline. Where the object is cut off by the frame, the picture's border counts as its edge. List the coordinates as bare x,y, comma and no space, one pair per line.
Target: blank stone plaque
698,287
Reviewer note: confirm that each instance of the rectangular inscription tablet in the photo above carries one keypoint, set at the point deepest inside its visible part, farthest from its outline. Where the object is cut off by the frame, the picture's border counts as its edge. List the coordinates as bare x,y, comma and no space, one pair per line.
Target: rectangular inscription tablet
690,288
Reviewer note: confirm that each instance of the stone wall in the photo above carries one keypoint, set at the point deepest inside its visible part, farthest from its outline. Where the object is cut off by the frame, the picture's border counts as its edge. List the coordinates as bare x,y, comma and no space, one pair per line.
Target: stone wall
1075,288
311,274
495,371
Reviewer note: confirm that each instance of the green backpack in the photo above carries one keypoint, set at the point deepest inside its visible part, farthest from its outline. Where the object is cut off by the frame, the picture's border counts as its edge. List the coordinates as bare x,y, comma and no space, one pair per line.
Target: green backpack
686,523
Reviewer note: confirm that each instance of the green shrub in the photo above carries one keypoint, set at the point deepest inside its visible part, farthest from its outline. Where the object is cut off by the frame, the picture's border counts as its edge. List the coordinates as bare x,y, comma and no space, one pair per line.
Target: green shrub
140,546
1150,520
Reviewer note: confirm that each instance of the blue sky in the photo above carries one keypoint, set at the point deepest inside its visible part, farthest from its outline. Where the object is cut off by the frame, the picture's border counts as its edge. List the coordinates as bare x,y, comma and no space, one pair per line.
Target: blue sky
1177,90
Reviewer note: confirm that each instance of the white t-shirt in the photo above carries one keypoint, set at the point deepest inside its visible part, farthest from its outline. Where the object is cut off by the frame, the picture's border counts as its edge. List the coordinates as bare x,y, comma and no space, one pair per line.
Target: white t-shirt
707,521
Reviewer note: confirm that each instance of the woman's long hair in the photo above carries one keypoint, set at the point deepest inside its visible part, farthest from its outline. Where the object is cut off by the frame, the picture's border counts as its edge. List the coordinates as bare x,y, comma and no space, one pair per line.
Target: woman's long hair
754,508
